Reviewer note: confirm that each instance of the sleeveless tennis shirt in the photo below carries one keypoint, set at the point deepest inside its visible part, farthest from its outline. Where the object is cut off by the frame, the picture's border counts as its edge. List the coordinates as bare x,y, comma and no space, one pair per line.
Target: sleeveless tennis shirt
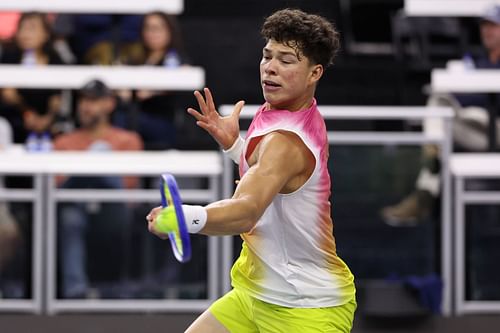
289,258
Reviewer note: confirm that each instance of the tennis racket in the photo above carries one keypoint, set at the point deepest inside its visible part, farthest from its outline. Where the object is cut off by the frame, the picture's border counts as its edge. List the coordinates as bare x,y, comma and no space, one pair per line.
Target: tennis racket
179,238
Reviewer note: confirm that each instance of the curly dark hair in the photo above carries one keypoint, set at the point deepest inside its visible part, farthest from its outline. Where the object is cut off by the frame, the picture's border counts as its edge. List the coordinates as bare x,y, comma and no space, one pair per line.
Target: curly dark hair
309,34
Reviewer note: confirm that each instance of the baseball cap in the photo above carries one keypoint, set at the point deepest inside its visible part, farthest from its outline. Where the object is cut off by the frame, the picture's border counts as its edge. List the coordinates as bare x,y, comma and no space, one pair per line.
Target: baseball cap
95,89
492,14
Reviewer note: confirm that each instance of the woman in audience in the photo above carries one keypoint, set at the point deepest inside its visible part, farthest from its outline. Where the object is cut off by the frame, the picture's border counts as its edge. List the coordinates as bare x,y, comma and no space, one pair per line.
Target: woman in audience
27,109
162,47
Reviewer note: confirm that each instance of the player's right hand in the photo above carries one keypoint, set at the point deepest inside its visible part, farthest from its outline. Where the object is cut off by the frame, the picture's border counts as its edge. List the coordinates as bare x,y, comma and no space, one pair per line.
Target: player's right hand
225,130
159,222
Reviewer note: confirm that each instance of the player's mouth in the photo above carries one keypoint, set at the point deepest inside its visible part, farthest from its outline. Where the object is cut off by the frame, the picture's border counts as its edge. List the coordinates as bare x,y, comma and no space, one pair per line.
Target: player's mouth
270,85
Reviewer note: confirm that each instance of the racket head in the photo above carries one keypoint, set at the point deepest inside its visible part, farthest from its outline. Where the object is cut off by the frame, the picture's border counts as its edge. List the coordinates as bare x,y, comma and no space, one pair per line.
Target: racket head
179,239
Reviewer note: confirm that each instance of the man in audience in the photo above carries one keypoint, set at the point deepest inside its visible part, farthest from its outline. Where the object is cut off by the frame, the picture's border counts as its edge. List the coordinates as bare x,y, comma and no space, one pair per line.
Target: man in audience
470,128
95,105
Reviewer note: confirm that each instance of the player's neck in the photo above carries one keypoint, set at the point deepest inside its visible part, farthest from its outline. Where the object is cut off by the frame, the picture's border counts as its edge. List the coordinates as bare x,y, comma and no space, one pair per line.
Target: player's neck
293,106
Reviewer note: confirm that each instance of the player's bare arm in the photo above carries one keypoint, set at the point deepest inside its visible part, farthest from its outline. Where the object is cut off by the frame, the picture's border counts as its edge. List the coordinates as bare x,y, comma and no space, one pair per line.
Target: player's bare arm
280,163
276,164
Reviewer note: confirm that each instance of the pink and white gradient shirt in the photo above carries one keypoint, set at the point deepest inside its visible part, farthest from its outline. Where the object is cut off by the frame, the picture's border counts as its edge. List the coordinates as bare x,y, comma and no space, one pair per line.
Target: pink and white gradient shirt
289,258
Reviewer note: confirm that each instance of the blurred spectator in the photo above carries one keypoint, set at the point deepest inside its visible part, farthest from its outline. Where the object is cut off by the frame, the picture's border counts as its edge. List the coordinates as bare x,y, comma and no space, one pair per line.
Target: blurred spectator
9,236
470,128
101,39
9,25
30,109
95,105
9,229
162,47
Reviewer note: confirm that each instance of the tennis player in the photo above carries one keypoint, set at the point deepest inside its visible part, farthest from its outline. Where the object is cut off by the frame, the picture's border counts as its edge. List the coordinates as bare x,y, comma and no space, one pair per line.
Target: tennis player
288,277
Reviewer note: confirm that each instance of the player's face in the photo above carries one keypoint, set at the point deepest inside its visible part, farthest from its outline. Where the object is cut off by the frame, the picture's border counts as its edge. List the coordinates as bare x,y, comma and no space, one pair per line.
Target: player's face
288,78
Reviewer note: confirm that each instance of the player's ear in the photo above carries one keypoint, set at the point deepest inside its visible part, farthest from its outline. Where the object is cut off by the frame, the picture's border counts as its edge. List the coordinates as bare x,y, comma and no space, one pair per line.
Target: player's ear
316,73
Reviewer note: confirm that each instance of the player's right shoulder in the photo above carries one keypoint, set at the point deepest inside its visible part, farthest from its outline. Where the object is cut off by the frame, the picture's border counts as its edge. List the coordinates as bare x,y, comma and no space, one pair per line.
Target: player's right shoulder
280,142
280,146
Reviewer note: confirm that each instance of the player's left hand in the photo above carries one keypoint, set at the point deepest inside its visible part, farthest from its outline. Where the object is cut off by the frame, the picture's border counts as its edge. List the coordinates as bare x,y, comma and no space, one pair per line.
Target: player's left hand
225,130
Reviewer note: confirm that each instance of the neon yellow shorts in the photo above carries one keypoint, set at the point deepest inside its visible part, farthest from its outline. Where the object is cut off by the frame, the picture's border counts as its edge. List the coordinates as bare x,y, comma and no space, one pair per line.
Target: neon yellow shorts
241,313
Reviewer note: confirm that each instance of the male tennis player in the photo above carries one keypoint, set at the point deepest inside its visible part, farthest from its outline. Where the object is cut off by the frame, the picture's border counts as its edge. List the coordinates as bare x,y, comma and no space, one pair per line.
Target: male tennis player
288,277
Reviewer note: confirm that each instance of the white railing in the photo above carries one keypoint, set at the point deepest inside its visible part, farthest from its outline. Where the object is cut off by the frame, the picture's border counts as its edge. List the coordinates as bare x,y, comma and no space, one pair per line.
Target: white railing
465,167
447,7
44,166
94,6
117,77
487,81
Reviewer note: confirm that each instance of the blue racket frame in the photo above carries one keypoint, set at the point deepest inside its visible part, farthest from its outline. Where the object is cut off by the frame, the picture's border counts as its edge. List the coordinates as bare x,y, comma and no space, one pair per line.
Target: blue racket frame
182,251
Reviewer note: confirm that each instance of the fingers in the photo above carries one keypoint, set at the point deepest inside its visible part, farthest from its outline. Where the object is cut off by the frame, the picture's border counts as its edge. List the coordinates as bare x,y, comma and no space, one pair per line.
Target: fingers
207,105
201,102
237,109
207,127
151,218
198,116
202,121
151,226
153,214
210,100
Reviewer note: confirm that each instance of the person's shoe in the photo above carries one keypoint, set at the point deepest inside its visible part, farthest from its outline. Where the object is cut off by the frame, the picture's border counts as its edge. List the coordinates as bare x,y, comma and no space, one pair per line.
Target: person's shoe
81,293
410,211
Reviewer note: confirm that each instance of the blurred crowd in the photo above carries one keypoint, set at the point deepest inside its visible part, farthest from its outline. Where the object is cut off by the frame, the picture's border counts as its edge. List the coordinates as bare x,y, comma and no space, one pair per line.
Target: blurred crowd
92,118
33,38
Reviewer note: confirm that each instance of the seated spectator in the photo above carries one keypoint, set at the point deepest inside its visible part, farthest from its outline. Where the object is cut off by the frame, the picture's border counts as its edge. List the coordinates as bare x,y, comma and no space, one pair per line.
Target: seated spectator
101,39
95,105
10,236
9,229
470,128
162,46
30,110
9,24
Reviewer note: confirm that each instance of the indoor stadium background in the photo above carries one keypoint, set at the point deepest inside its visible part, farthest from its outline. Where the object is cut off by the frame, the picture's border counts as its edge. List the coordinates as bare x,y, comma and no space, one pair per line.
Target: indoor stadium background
417,276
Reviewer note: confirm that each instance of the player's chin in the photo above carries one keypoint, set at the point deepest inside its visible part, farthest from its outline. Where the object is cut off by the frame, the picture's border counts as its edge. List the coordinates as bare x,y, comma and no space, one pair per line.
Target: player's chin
273,98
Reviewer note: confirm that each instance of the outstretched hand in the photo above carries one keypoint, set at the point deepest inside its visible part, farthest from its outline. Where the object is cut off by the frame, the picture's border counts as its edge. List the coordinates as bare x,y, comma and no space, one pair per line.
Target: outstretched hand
225,130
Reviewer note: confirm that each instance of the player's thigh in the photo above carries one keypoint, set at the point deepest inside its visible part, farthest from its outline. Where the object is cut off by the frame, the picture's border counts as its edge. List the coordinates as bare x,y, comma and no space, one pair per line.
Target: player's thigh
235,312
206,323
277,319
